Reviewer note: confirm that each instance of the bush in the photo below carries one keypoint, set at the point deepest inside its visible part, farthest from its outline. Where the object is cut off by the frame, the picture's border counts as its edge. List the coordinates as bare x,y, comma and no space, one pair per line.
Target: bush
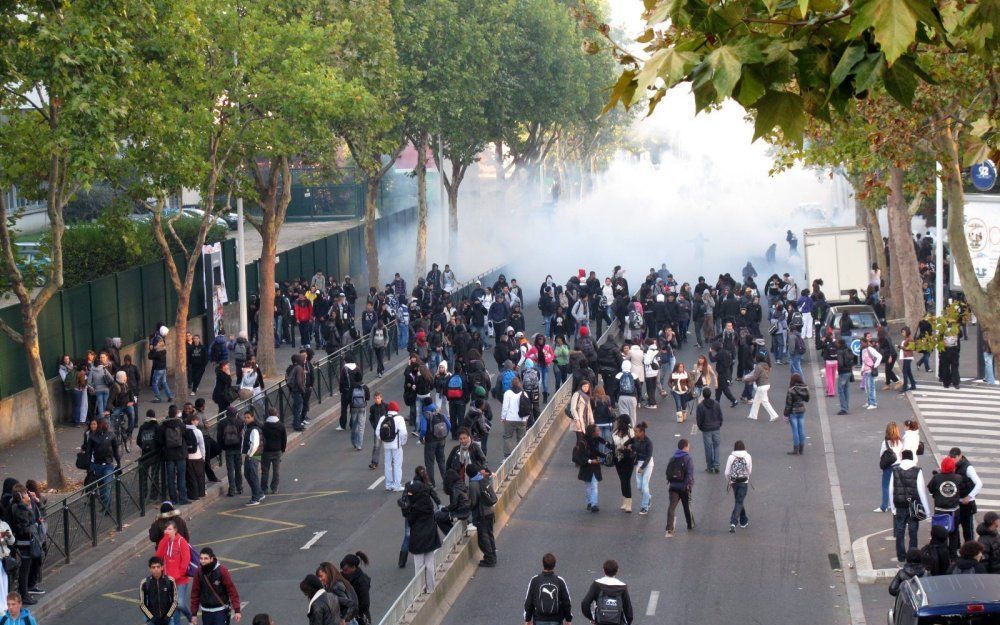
116,243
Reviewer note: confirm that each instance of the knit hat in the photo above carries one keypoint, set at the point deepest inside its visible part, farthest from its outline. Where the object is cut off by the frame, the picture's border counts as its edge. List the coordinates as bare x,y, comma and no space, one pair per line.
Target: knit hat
939,533
948,465
167,510
479,391
584,331
393,407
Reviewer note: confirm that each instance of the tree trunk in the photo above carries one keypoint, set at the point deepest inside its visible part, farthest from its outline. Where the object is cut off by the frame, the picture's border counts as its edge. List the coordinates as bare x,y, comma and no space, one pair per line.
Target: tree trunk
985,303
180,345
421,171
878,251
265,316
55,477
453,218
904,257
371,244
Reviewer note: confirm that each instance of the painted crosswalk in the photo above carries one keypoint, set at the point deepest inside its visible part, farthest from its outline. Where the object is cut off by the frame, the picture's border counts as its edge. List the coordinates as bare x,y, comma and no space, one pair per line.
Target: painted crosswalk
968,418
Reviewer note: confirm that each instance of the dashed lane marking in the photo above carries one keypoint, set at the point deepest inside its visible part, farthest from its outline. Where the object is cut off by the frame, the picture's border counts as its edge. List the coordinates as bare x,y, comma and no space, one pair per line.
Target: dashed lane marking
129,595
376,483
654,598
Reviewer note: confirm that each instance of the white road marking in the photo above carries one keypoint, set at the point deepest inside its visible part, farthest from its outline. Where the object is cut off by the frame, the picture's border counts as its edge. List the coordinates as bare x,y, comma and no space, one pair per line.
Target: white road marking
312,541
376,483
654,598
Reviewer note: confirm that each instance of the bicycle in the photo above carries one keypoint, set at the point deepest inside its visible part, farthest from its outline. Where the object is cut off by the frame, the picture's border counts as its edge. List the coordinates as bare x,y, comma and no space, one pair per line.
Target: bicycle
120,423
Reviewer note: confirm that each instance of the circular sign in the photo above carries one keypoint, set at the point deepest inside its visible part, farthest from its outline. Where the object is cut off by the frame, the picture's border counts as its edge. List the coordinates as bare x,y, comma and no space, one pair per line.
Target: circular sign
856,346
976,234
984,175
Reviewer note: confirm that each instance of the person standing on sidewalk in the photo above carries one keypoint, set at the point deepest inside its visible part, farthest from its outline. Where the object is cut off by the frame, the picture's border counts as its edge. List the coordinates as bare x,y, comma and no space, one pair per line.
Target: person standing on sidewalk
275,441
229,433
890,453
907,485
252,450
870,360
295,381
845,374
946,487
680,477
906,351
795,412
709,418
547,601
970,487
739,466
989,375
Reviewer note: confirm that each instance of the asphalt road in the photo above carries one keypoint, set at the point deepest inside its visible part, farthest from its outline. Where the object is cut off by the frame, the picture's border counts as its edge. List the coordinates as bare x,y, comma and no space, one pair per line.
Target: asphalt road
778,570
325,487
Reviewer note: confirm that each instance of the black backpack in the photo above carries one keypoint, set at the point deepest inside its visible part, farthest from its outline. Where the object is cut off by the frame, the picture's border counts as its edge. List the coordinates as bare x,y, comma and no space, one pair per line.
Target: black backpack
524,405
190,441
608,609
547,599
173,437
387,429
677,470
230,434
147,438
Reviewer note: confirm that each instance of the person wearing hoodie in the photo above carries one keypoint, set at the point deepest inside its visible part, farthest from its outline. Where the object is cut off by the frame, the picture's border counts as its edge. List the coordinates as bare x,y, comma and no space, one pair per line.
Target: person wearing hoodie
547,600
739,466
914,567
607,600
175,552
795,412
680,478
969,560
295,381
935,555
213,592
324,607
906,483
16,613
989,538
708,416
393,436
628,391
434,430
275,441
242,350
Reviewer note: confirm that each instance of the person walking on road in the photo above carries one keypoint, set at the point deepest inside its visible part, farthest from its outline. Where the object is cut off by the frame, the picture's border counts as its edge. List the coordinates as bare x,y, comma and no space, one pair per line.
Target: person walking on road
252,449
376,411
845,374
739,466
828,350
482,499
157,594
391,430
514,414
621,438
761,376
434,430
628,391
424,539
587,456
870,360
709,419
582,411
889,455
175,552
607,602
213,592
275,442
642,447
547,600
680,477
907,349
795,412
906,483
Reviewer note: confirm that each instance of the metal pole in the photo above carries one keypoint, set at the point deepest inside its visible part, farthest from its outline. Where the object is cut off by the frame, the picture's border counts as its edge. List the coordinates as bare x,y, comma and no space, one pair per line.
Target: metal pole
241,260
444,201
938,253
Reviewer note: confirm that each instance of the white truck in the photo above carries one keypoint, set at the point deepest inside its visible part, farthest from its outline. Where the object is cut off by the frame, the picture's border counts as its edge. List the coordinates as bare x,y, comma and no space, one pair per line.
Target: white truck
840,258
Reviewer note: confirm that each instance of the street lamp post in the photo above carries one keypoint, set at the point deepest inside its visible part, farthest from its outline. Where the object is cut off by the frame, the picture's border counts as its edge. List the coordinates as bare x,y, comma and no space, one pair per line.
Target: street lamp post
241,272
938,253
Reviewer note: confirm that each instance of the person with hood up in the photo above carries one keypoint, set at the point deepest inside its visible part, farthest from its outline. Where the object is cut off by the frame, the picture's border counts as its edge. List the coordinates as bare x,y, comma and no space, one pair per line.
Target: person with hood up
680,478
989,538
795,412
914,567
607,600
585,344
969,560
213,592
393,436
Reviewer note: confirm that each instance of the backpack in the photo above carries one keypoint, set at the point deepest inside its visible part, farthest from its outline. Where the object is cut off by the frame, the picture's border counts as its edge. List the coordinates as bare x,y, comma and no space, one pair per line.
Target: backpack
378,337
739,472
173,437
230,434
146,438
455,390
626,385
190,441
800,346
635,320
603,302
677,470
524,405
608,610
530,379
215,352
439,427
240,351
547,599
487,494
387,429
405,505
358,397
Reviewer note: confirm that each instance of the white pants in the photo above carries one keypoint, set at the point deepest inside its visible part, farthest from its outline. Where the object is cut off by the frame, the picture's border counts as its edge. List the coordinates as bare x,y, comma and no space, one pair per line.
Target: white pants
425,559
759,399
4,581
393,468
807,325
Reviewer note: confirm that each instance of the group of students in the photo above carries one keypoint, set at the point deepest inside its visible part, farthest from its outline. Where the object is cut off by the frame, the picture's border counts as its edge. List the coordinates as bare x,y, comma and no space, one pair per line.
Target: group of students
185,581
23,530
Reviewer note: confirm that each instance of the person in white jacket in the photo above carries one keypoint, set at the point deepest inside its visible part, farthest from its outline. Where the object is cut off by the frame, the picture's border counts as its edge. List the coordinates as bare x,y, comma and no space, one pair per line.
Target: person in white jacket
636,357
393,448
514,425
739,466
651,364
870,360
581,311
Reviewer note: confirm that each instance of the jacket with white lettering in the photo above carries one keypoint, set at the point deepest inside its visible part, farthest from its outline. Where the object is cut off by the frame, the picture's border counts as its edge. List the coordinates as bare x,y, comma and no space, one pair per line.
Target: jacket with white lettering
564,603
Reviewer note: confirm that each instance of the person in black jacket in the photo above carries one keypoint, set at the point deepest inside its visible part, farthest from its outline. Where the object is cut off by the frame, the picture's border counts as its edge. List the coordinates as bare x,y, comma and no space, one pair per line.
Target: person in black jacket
424,539
157,594
968,561
104,456
547,599
709,419
23,526
608,598
990,540
350,567
170,441
229,433
935,554
467,453
722,358
197,360
587,456
275,440
914,567
376,411
223,393
458,501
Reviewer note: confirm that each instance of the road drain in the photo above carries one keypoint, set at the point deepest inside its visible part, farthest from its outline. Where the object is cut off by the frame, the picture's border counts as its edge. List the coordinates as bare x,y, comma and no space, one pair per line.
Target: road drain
834,561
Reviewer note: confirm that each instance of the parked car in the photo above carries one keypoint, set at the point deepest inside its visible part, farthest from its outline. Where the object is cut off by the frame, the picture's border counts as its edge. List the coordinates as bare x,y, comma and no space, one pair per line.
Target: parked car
948,600
34,262
226,220
862,316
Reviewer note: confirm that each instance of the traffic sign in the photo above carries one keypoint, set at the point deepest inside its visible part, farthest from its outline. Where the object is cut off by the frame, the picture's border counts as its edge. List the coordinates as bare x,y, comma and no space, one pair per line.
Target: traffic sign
984,175
856,347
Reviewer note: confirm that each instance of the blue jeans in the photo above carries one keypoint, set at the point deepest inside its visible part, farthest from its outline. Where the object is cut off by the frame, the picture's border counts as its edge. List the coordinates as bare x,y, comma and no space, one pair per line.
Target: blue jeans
159,383
297,404
278,328
559,375
547,324
404,335
101,398
712,441
176,472
642,483
901,522
606,431
910,382
251,471
886,475
989,376
843,384
795,364
102,478
870,389
778,346
739,514
183,604
798,432
592,491
543,371
358,427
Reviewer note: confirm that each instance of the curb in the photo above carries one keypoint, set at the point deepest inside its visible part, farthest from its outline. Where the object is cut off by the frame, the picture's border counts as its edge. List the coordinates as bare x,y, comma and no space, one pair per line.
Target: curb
57,599
866,572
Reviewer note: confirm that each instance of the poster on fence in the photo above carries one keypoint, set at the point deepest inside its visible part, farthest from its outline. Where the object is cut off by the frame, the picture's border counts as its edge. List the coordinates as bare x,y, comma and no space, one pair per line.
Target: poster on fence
215,287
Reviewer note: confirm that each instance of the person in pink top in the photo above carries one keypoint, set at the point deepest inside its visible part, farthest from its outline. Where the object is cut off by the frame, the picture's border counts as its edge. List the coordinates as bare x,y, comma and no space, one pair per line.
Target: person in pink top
176,555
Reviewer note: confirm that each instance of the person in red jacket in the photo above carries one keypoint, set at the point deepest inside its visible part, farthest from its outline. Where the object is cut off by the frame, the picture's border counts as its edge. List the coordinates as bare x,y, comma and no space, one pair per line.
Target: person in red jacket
303,310
214,592
543,356
176,555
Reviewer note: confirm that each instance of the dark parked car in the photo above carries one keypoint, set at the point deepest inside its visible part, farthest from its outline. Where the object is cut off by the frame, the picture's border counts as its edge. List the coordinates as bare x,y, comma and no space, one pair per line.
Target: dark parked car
948,600
862,316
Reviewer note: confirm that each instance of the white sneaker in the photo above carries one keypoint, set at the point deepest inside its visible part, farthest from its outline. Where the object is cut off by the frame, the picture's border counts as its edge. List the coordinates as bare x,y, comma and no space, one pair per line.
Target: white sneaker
880,510
340,429
870,407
